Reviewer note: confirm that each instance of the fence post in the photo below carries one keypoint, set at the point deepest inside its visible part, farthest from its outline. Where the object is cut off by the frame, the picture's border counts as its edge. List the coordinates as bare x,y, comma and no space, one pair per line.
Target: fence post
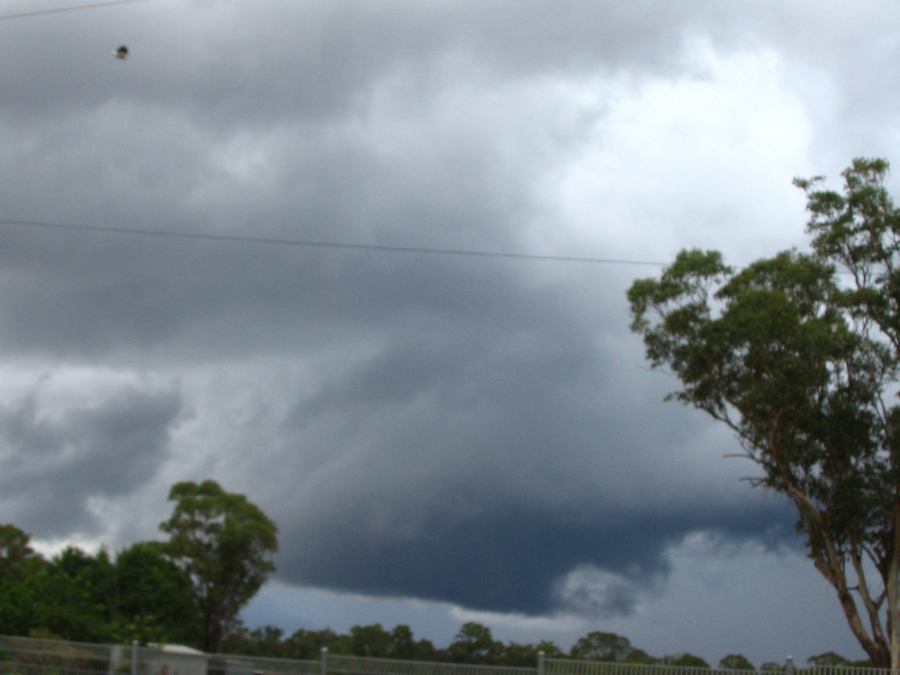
134,646
323,661
789,666
540,663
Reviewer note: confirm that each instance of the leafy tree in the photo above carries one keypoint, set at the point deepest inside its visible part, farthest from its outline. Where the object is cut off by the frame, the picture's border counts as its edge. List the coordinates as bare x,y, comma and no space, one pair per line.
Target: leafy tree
801,362
267,641
551,649
828,659
15,549
372,640
307,644
224,543
516,655
21,574
686,660
405,646
772,667
77,596
736,662
473,644
641,657
153,597
601,646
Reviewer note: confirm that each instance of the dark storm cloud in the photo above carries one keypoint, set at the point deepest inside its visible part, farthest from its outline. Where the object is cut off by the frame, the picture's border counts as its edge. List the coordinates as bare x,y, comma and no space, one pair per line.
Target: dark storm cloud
480,465
260,64
512,560
57,456
89,293
462,429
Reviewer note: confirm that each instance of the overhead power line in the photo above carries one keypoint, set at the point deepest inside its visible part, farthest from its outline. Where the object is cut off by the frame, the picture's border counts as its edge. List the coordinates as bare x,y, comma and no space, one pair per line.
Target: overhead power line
72,8
308,243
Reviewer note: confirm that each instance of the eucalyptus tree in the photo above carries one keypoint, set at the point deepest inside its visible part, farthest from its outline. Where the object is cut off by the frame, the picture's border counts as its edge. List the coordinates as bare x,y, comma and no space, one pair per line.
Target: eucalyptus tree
224,544
798,355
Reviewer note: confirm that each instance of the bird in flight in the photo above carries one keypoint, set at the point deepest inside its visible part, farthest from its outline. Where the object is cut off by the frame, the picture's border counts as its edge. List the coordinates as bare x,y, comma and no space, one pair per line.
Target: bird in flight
121,52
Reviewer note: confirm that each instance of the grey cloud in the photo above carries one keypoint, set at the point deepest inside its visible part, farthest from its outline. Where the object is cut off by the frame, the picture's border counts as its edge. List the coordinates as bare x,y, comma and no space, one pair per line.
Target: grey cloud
508,559
56,458
256,65
475,476
463,429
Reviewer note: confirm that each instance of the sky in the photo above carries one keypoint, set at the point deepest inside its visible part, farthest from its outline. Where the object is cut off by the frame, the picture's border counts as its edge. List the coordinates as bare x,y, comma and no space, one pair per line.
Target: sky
440,437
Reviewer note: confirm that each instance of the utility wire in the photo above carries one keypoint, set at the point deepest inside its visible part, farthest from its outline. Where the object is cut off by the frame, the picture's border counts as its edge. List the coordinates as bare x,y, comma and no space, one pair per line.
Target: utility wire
74,8
308,243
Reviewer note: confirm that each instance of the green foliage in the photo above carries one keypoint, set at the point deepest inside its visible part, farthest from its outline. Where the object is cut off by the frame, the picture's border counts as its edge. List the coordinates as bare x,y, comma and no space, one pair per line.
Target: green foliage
551,649
15,550
220,540
801,365
267,641
22,572
686,660
371,640
639,656
828,659
78,596
223,542
736,662
601,646
153,598
405,646
473,644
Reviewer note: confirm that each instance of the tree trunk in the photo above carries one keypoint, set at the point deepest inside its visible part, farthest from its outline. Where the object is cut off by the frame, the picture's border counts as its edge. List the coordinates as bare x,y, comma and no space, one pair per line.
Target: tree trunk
893,589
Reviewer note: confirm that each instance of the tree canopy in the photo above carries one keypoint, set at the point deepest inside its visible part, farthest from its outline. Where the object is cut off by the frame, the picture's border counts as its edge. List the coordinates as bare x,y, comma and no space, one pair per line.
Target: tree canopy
736,662
798,354
602,646
224,544
154,597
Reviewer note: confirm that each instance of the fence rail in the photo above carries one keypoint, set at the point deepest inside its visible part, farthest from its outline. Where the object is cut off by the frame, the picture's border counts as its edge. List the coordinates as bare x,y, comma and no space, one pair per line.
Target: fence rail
575,667
27,656
357,665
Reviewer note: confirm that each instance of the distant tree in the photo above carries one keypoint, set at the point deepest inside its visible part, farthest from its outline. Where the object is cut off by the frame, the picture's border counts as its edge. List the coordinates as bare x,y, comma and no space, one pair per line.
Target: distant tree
601,646
307,644
78,596
641,657
736,662
153,597
15,549
473,644
772,667
22,572
799,355
828,659
686,660
265,641
224,543
405,646
516,655
371,640
551,649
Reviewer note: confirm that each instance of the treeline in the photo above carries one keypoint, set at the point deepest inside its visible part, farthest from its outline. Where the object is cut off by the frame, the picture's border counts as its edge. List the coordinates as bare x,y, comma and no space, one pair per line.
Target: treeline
142,594
188,589
138,595
475,644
